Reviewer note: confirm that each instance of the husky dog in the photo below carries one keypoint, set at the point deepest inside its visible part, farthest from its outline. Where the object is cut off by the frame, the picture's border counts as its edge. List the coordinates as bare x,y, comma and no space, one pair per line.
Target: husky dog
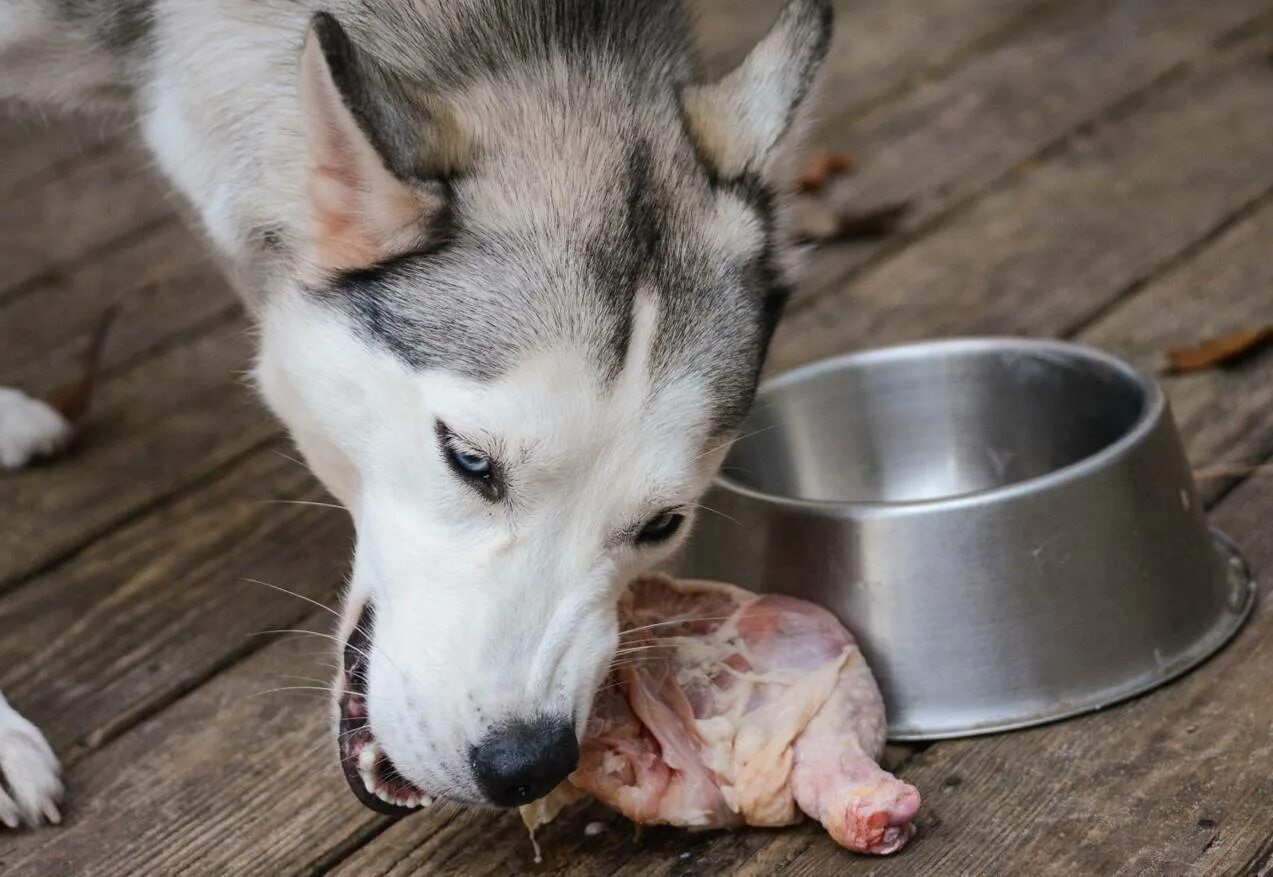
515,266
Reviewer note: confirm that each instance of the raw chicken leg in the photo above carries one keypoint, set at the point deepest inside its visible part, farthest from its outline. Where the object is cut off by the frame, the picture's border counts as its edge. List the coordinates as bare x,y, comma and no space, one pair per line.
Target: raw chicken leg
730,708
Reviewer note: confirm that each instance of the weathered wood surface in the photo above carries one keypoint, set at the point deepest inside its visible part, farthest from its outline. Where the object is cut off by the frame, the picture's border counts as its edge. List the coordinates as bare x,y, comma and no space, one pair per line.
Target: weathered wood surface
100,200
161,284
1053,246
155,428
944,143
1099,168
164,602
35,147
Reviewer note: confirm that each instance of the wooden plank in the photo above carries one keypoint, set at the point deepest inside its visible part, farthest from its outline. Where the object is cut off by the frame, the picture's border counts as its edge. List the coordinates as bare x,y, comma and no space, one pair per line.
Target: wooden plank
1056,245
163,602
947,141
36,143
1223,413
153,429
99,199
229,780
162,284
881,47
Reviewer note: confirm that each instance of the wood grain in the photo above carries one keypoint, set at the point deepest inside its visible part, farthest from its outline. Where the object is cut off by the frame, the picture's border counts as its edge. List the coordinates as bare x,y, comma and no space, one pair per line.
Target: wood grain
97,201
153,429
229,780
165,601
38,144
1054,246
881,47
162,284
949,139
1225,415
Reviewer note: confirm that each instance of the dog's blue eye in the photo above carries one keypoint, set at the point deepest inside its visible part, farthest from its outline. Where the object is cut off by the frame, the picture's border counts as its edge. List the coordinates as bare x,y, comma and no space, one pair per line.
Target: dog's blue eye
477,470
660,528
473,464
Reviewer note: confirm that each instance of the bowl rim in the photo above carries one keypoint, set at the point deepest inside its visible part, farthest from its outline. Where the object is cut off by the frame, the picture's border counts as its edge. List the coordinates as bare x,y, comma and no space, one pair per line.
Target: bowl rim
1148,419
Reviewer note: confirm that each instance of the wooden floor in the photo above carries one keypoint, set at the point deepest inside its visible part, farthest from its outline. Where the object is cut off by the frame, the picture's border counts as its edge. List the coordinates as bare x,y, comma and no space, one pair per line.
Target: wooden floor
1085,169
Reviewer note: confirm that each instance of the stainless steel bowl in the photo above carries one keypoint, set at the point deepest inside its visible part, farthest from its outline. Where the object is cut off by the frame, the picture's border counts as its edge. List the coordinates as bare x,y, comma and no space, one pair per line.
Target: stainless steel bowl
1009,526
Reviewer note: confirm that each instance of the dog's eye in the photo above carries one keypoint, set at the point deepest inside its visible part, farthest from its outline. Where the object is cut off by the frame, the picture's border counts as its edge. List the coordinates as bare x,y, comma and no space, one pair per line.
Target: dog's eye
472,464
660,528
476,469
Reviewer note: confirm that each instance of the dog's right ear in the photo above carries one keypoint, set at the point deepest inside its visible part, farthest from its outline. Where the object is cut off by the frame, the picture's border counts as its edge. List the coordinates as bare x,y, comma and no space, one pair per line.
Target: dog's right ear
749,121
372,195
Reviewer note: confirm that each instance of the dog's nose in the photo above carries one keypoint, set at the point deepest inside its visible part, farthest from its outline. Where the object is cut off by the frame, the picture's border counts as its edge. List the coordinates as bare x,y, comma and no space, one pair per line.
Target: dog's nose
522,761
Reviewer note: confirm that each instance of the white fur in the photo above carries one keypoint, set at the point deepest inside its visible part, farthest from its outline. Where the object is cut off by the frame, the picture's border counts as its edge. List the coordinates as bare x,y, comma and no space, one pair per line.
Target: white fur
30,772
29,429
515,599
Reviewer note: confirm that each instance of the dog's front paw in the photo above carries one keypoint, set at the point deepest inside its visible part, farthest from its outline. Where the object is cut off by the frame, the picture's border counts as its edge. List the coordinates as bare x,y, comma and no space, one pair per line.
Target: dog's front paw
30,776
29,429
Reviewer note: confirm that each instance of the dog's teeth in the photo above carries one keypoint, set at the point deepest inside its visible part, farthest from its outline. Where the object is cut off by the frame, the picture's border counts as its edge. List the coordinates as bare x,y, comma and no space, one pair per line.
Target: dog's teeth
369,780
368,757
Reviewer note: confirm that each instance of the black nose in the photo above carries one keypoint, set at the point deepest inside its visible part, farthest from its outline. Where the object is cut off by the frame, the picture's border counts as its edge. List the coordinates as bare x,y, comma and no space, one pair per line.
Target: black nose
521,761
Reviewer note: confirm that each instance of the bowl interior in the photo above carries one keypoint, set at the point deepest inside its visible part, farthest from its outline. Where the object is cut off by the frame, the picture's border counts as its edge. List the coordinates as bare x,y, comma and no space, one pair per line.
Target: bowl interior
932,422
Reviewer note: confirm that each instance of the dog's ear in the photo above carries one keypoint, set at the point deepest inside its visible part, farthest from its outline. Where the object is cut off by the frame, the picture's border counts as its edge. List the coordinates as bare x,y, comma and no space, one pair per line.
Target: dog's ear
742,123
375,157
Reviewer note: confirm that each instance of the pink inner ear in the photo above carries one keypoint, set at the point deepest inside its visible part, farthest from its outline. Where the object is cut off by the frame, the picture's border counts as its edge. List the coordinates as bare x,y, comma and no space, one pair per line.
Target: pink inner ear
361,213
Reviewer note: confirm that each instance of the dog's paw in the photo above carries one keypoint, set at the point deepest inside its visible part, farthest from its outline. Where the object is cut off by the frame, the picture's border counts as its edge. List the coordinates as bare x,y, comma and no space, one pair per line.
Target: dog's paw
30,776
29,429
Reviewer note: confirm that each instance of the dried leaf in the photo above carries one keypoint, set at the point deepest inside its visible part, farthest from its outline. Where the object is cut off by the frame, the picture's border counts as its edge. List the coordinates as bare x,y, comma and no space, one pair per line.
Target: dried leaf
1219,351
848,225
73,400
819,170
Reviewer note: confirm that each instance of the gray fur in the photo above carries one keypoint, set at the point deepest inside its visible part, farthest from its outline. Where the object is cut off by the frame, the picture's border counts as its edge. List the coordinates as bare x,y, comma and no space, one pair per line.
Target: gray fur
477,299
582,120
120,25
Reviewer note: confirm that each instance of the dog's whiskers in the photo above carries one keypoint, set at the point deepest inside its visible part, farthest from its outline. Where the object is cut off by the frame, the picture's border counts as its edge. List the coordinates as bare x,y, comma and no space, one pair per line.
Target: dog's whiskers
648,647
707,508
304,502
734,440
290,459
686,619
302,597
323,689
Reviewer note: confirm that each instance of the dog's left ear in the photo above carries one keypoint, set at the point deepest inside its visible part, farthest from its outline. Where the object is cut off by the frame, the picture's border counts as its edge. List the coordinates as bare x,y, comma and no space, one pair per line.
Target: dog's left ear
743,123
372,178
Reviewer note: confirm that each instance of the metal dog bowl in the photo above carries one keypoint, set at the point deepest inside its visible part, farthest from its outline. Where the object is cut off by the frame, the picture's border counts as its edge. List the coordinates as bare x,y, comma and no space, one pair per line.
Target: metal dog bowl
1008,526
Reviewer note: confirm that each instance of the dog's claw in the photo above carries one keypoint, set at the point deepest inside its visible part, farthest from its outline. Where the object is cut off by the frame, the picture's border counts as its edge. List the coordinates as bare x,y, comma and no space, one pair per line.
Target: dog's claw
30,776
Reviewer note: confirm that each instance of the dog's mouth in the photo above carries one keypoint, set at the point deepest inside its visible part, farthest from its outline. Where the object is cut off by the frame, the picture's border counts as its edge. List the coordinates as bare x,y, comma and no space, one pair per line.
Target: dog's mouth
370,774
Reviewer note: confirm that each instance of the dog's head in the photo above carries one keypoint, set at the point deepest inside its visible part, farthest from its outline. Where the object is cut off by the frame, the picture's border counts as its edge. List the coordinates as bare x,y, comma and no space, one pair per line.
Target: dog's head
532,305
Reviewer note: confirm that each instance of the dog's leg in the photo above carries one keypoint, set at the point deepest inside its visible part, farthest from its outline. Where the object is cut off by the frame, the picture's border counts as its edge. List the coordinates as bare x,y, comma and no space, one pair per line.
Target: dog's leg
29,429
30,776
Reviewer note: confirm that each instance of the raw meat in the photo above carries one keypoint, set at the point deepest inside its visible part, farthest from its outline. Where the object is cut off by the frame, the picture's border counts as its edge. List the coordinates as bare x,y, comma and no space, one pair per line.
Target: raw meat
728,708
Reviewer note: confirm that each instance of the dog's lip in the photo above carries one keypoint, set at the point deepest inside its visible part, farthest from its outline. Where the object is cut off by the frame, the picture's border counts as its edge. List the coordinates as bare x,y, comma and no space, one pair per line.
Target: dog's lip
357,744
352,745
